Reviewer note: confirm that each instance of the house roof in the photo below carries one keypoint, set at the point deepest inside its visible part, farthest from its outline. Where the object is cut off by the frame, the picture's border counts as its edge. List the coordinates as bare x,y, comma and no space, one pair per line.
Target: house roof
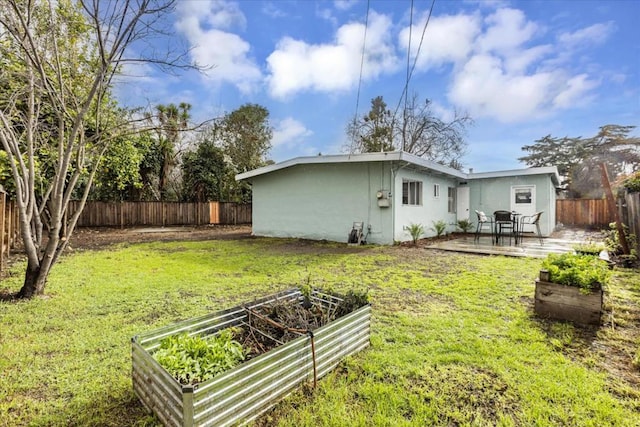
546,170
402,158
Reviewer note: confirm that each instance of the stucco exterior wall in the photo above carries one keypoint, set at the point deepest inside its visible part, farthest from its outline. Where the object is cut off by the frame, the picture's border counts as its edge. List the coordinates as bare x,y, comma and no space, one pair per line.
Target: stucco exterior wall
432,208
322,201
492,194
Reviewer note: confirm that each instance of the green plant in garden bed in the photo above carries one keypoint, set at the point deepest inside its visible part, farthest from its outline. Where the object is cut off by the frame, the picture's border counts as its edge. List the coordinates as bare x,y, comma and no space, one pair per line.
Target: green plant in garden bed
613,244
588,248
194,359
583,271
415,231
465,225
440,227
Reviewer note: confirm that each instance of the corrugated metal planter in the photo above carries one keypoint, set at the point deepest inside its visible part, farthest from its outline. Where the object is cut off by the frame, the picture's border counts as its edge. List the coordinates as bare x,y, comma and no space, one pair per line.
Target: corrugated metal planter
246,391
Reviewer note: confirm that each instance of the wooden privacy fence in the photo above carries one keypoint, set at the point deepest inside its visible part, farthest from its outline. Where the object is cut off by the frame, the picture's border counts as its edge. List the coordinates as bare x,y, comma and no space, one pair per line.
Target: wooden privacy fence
160,214
593,213
229,213
8,227
632,217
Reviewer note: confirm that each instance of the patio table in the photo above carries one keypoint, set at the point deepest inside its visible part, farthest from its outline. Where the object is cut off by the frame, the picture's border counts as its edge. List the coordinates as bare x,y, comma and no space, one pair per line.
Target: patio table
498,224
515,217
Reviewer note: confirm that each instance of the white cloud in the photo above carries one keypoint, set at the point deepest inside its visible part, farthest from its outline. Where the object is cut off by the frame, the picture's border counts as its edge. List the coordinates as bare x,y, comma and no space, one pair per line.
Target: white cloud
594,34
447,39
511,78
574,91
508,30
298,66
212,14
289,132
520,60
344,4
484,89
226,53
273,11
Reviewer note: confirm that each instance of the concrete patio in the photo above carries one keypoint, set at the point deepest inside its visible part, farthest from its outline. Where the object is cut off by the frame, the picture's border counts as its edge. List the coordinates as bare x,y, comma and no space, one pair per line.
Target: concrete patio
559,242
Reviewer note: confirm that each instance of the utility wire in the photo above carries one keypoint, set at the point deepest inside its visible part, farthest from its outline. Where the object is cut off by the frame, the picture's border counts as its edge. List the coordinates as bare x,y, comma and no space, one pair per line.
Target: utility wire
408,68
415,60
364,45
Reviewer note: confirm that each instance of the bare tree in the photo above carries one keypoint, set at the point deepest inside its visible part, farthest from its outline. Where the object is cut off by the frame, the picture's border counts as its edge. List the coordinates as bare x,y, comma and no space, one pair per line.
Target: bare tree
417,131
62,57
425,135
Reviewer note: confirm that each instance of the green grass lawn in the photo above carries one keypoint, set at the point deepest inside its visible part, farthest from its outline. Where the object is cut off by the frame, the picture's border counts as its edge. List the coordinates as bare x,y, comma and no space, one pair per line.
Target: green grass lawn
454,339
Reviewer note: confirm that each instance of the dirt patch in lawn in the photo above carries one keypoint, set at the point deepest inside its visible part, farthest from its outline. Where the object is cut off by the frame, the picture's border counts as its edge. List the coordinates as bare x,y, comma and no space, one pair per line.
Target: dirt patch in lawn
92,238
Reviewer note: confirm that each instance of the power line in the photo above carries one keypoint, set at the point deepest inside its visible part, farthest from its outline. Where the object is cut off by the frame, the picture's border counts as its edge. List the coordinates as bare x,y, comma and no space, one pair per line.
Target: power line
415,60
364,45
408,64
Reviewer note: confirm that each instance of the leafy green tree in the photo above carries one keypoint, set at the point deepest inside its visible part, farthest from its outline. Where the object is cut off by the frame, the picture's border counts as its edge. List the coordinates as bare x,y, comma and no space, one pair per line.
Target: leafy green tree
205,174
373,132
578,159
58,61
118,176
245,137
169,123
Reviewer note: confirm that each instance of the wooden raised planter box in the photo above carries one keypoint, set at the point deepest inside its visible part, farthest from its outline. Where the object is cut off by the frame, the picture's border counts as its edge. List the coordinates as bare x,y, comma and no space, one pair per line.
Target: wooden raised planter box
564,302
253,387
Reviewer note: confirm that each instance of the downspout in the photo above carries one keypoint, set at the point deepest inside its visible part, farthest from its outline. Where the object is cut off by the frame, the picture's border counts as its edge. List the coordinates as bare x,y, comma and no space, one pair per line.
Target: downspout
368,226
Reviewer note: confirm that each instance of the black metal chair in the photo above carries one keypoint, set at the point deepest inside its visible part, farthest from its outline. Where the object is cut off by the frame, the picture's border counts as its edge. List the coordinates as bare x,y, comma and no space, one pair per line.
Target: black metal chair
532,220
483,220
504,223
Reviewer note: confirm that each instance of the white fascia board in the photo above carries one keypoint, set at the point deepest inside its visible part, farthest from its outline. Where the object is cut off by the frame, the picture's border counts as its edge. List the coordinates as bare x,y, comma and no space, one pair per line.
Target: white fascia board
398,156
310,160
433,166
546,170
355,158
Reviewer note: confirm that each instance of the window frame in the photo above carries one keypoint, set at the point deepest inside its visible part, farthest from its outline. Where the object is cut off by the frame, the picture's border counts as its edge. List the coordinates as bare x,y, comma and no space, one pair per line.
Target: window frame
411,192
436,191
452,199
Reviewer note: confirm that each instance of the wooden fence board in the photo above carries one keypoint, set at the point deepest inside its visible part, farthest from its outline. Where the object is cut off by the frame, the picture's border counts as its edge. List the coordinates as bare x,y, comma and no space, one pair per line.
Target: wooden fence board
633,215
8,227
159,214
593,213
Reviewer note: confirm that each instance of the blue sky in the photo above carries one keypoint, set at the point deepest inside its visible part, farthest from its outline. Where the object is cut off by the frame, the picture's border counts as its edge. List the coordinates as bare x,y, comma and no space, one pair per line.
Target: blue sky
520,69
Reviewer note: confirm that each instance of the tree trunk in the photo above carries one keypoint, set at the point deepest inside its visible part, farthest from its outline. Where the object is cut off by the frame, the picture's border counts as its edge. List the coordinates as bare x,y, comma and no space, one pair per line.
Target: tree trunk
34,281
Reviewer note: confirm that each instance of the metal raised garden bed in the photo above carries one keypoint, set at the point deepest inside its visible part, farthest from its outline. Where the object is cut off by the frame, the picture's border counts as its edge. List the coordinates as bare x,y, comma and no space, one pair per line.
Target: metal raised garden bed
251,388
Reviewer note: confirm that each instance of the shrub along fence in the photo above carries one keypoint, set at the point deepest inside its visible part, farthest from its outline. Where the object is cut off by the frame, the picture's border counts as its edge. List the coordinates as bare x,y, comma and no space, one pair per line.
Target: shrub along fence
160,214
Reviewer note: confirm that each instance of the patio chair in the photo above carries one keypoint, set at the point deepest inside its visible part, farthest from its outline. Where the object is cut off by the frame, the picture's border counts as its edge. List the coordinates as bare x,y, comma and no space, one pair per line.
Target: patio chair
532,220
483,220
504,223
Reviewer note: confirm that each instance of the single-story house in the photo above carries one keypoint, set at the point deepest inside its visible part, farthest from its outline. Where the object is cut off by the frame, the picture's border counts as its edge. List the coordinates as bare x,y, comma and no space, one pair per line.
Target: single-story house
321,197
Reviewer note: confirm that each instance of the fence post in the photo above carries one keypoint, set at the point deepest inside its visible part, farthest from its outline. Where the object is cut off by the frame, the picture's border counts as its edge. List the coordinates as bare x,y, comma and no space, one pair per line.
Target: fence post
3,232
